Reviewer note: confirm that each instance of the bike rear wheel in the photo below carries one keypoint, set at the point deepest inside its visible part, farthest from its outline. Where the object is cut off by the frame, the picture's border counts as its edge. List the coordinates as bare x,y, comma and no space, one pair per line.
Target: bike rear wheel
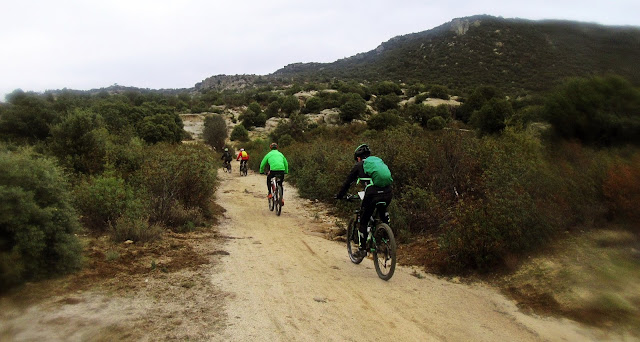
278,199
384,254
352,241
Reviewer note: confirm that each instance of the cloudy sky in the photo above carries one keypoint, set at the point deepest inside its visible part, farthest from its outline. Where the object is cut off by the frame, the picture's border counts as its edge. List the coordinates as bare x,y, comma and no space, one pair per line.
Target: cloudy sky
85,44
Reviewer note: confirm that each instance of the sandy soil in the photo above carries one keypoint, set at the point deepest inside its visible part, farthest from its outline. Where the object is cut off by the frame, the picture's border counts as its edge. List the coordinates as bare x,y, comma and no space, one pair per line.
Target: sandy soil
289,283
258,276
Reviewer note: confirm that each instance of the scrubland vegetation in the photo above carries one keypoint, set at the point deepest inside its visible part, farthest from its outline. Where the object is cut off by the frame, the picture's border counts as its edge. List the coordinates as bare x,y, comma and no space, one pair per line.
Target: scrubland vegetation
488,177
77,163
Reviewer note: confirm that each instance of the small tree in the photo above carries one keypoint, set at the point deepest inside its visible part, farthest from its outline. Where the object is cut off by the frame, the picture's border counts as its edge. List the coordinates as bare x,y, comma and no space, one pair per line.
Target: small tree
439,92
436,123
420,113
387,87
79,141
352,109
384,120
239,133
37,222
477,99
596,111
313,105
492,116
215,131
387,102
272,109
290,104
161,128
28,117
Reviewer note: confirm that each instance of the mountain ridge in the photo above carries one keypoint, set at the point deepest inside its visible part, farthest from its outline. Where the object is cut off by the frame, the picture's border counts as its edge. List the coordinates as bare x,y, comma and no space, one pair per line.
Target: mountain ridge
517,55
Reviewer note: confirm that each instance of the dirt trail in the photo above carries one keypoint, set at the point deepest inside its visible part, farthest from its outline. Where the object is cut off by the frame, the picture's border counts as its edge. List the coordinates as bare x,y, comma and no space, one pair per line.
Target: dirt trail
289,284
268,278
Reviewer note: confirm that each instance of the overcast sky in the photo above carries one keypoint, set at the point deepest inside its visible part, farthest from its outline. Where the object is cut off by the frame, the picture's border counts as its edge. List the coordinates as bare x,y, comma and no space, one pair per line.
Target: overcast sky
155,44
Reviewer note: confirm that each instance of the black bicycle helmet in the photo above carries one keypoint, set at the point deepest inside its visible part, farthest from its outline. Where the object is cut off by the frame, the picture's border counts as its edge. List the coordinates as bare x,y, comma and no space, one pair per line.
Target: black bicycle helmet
361,151
274,146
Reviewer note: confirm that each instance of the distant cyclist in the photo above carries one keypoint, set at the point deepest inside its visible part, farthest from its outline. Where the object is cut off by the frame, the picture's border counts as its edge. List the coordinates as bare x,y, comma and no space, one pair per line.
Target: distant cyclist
243,156
226,156
376,177
277,166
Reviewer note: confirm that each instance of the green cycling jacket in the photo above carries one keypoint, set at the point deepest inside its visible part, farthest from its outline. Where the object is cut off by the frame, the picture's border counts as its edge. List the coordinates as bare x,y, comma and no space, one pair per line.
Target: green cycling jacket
276,161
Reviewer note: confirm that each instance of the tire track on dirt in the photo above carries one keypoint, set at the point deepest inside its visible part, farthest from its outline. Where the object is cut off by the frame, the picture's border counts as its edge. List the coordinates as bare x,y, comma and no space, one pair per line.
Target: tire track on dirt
289,284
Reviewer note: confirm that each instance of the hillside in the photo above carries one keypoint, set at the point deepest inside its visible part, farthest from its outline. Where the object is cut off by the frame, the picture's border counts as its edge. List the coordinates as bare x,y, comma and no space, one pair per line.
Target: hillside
513,54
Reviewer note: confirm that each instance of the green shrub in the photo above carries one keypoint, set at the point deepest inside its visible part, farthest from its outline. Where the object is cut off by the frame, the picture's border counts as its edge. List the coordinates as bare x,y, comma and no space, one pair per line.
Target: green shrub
599,110
239,133
125,157
313,105
353,108
436,123
272,109
37,222
443,111
439,92
514,210
386,88
178,175
290,104
294,127
161,127
387,102
491,118
419,113
421,210
102,199
477,99
384,120
27,117
80,141
416,89
318,169
421,97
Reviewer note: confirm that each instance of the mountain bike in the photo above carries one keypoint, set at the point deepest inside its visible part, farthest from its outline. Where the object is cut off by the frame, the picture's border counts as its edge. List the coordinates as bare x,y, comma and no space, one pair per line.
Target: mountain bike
243,168
380,241
275,202
226,166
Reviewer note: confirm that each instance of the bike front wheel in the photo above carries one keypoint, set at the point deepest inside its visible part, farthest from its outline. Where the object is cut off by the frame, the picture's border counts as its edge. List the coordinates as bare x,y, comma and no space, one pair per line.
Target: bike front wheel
384,254
352,241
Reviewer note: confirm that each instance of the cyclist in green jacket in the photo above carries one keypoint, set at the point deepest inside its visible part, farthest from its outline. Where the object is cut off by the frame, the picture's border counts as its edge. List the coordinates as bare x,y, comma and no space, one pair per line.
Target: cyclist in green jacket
277,166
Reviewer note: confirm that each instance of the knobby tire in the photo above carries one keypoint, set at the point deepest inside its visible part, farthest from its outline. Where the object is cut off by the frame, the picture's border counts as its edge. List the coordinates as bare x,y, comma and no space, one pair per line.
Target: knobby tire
384,254
272,202
352,241
278,198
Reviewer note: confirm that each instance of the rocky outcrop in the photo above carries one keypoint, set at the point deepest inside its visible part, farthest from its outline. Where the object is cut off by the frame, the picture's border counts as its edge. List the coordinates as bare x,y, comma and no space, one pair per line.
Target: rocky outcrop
461,26
222,82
